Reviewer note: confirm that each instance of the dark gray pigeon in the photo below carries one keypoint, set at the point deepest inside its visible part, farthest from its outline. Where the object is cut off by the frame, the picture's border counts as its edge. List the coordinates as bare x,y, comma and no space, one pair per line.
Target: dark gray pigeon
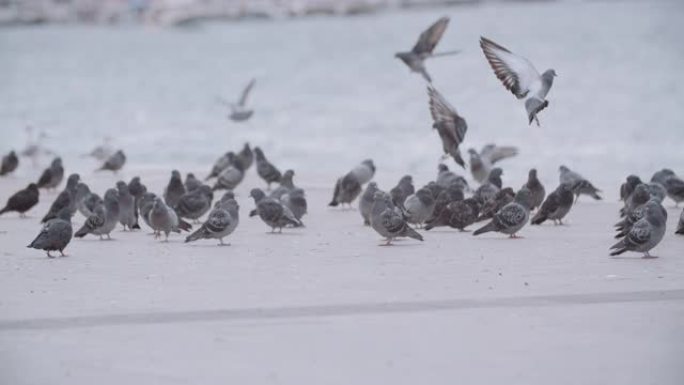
481,162
286,185
645,234
450,126
10,162
579,184
55,234
221,164
104,218
295,200
445,196
245,157
419,206
387,222
86,201
520,77
272,212
674,186
556,206
127,216
680,225
657,191
446,178
511,218
349,186
194,204
637,198
458,215
501,199
163,219
114,162
628,187
230,177
625,225
52,176
191,182
537,191
222,221
22,201
402,190
266,170
174,190
415,59
65,199
239,111
366,202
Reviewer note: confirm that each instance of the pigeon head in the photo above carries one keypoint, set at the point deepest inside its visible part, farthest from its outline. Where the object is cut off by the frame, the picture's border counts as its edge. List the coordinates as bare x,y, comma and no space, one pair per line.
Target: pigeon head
122,187
550,73
32,187
259,154
73,180
442,168
56,162
175,174
523,197
563,169
532,174
496,172
369,164
257,194
111,195
633,180
406,179
190,176
231,205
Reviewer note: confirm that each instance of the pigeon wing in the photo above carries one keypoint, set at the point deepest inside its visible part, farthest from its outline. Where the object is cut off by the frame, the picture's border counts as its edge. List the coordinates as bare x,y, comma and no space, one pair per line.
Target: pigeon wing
516,73
430,37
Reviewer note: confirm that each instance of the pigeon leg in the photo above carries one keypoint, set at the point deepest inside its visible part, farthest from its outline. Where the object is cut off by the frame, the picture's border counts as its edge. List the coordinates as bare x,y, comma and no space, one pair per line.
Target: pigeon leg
109,238
648,255
48,254
536,120
62,253
100,236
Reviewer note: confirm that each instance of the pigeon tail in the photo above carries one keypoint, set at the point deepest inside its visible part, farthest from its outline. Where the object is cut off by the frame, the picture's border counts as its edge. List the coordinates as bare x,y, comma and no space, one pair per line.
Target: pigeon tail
201,233
485,229
411,233
539,218
183,225
533,107
4,210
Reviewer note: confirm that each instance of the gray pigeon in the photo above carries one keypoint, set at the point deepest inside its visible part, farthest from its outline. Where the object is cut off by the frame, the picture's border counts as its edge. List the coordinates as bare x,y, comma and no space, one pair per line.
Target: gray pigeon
680,225
645,234
194,204
637,198
230,177
221,164
488,190
537,191
272,212
579,184
674,186
114,162
556,206
415,59
239,111
366,202
501,199
22,201
625,225
174,190
55,234
451,194
163,219
222,221
9,163
228,195
436,189
520,77
419,207
628,187
245,157
458,215
104,218
267,171
295,200
348,187
387,222
191,182
657,191
446,178
52,176
127,215
86,201
494,177
402,190
286,185
450,126
145,204
481,162
137,189
65,199
511,218
662,175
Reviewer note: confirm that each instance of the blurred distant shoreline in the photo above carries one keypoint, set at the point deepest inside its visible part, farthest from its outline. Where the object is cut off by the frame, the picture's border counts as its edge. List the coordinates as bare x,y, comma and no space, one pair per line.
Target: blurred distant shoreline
181,12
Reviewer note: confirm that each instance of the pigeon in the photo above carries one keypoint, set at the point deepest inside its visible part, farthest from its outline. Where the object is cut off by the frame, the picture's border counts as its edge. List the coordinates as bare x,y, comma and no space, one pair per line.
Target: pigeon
65,199
446,178
662,175
451,194
272,212
501,199
625,225
286,185
680,225
127,215
22,201
222,221
221,164
657,191
556,206
366,202
55,234
628,187
645,234
481,162
228,195
145,204
34,148
402,190
348,187
494,177
387,222
104,217
520,77
174,190
450,126
86,201
415,59
239,111
537,191
103,151
639,197
245,157
419,207
458,215
9,163
488,190
579,184
163,219
267,171
230,177
191,182
437,189
674,186
114,162
194,204
137,189
511,218
295,200
52,176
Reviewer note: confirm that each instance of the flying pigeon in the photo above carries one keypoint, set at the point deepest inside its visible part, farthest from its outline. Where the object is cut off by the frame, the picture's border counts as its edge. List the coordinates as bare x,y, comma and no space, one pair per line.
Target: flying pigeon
415,59
481,162
450,126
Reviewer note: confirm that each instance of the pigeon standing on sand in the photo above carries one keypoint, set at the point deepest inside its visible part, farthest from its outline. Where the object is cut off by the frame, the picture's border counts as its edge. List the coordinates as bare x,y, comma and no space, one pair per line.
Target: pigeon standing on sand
286,185
520,77
680,225
481,162
9,163
402,190
579,184
674,186
245,157
230,177
633,216
628,187
55,234
537,191
295,200
174,190
419,207
450,126
127,215
114,162
366,202
488,190
451,194
194,204
104,217
52,176
222,221
145,204
645,234
22,201
239,111
137,189
511,218
65,199
163,219
191,182
501,199
348,187
387,222
267,171
415,59
86,201
458,215
272,212
556,206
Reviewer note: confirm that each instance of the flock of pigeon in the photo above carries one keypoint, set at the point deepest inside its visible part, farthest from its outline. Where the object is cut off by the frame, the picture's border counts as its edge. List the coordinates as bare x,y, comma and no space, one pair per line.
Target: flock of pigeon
448,201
